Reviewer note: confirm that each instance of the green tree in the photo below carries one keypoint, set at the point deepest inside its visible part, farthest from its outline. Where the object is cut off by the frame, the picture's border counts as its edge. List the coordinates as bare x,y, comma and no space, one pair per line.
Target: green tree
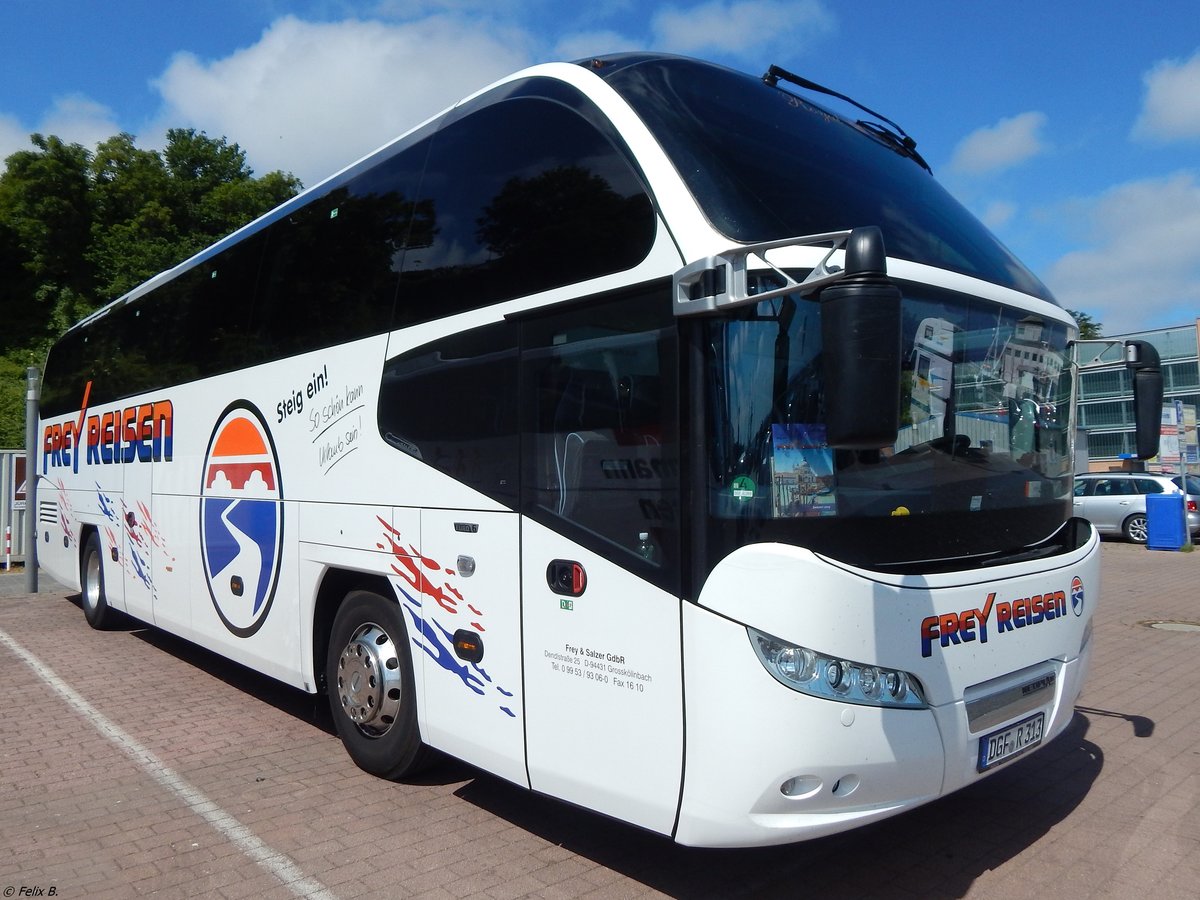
12,403
212,186
15,284
46,205
133,234
46,198
154,211
1089,330
79,229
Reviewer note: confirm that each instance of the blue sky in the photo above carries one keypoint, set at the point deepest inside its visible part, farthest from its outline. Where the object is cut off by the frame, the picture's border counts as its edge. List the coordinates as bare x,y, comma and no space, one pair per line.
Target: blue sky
1071,129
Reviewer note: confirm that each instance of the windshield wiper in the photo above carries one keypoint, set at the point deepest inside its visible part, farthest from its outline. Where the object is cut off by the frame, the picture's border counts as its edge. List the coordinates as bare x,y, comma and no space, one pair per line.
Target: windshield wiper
895,137
905,145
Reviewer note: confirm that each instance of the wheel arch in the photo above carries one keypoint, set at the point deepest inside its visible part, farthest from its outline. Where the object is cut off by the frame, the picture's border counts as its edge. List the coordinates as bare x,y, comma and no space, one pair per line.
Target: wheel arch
369,653
85,531
93,595
335,585
1129,532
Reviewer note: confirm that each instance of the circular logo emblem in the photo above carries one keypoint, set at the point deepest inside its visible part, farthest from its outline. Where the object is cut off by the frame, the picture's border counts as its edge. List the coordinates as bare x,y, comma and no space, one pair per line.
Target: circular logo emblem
241,518
1077,595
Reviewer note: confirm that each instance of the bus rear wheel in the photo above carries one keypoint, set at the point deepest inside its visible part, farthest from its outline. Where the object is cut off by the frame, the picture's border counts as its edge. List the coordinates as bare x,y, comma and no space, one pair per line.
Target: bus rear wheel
91,583
371,694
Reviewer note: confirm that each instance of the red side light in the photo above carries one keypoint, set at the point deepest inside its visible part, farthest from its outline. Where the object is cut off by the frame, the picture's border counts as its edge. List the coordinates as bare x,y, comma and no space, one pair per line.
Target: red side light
1191,506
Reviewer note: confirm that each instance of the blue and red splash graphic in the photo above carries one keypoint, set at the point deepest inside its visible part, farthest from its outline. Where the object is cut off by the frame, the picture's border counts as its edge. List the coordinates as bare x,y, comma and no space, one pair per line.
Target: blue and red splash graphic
142,538
241,519
66,514
416,586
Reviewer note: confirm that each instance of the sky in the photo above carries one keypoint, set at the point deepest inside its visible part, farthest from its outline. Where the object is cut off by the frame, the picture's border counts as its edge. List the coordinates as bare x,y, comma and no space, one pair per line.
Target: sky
1071,129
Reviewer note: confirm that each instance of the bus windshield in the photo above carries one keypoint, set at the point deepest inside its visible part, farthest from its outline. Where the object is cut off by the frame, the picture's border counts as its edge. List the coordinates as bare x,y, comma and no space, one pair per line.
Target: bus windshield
764,163
981,465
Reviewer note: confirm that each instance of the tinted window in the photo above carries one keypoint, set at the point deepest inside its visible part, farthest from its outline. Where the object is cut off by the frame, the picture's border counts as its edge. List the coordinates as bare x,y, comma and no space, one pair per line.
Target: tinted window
764,163
332,267
210,323
602,455
521,196
193,326
1148,486
69,368
180,337
324,274
1193,483
453,405
1114,487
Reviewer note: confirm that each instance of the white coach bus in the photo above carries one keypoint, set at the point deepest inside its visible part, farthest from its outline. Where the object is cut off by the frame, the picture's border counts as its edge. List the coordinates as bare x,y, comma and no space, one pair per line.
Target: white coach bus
561,435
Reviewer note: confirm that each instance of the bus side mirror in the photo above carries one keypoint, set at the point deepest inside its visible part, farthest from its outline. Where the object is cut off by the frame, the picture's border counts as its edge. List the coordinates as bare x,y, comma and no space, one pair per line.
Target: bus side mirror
860,333
1141,359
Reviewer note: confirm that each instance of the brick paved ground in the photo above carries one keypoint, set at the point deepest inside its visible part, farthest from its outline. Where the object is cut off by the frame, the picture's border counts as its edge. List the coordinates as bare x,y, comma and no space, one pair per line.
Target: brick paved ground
1111,809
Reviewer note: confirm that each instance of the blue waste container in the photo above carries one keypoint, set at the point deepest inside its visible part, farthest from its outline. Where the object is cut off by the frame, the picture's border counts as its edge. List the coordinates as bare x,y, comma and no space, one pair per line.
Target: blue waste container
1166,527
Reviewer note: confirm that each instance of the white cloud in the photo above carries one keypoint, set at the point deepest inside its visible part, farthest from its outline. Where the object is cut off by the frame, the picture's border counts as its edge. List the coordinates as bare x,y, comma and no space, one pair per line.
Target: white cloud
1171,108
1007,143
76,119
998,214
586,44
741,27
13,137
413,9
1141,269
311,98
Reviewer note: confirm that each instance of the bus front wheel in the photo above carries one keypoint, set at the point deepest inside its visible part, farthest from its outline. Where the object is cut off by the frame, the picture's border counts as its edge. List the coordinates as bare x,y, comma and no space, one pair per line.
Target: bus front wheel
91,583
371,694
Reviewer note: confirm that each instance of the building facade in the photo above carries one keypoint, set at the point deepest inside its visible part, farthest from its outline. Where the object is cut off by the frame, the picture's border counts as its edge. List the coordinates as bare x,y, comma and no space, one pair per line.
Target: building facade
1106,394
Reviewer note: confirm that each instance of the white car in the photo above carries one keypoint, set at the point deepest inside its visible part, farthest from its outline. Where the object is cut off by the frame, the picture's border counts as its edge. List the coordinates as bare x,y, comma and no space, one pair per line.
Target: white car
1115,502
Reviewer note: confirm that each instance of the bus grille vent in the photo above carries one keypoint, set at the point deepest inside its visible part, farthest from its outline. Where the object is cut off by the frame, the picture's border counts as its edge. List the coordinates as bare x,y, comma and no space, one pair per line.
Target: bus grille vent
1001,699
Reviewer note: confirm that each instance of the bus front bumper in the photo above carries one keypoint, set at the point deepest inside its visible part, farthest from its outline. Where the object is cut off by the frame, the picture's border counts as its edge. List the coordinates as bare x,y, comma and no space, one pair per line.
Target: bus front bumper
766,765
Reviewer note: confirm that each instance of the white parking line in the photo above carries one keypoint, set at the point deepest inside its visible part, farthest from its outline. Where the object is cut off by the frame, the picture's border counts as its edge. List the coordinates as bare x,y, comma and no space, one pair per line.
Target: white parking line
242,837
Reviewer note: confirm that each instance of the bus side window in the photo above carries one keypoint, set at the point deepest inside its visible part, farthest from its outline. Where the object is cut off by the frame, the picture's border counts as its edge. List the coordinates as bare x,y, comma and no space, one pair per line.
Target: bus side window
212,320
337,261
453,404
517,198
603,455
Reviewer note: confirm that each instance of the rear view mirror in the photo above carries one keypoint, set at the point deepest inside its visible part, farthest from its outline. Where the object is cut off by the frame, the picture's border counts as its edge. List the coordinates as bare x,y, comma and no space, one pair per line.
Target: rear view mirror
860,333
1141,359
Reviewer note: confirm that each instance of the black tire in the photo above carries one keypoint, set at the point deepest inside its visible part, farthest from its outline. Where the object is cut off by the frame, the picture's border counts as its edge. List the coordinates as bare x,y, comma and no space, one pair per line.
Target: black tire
1135,528
91,586
371,694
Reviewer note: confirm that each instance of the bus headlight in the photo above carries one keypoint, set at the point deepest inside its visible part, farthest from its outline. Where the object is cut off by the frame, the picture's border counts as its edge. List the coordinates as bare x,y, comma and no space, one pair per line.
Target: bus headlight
833,678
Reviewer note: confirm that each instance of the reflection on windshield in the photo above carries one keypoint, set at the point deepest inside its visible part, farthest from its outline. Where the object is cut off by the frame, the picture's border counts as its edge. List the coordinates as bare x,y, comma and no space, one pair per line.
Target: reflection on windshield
984,412
1006,393
764,163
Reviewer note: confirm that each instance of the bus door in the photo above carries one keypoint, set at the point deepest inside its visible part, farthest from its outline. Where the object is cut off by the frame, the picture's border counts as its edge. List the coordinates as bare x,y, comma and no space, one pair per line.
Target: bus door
599,545
471,626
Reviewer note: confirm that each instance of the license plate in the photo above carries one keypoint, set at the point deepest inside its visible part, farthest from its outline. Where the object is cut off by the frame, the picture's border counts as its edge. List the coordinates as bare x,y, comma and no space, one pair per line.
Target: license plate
1012,741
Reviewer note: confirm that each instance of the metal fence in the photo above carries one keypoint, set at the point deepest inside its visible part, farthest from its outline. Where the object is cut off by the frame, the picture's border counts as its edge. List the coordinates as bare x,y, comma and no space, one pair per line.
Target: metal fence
14,517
